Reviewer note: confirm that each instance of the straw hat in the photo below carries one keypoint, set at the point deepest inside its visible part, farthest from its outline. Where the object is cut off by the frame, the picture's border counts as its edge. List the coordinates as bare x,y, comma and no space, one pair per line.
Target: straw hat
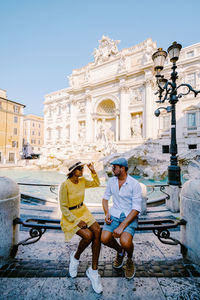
70,165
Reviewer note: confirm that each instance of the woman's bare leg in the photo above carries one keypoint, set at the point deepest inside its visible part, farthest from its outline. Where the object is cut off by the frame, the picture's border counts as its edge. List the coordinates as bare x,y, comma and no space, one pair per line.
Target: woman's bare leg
87,236
96,244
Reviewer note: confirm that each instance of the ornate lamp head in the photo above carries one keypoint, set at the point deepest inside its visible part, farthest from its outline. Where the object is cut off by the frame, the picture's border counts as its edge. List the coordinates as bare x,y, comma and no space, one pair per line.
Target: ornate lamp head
159,59
174,52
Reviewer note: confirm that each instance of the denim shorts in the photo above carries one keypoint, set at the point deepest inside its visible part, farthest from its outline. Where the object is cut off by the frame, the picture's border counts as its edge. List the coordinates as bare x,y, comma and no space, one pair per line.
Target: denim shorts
117,221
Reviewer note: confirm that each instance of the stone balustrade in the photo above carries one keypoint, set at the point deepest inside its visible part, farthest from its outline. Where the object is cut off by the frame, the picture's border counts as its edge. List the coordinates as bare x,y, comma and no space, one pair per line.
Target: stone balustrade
9,210
190,211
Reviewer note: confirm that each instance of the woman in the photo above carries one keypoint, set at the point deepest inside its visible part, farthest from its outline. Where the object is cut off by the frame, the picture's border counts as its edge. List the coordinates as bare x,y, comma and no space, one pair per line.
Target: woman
77,219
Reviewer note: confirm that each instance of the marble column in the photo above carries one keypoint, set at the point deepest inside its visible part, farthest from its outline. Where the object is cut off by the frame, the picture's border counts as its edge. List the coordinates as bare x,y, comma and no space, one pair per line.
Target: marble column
89,121
124,113
74,123
149,107
95,130
117,128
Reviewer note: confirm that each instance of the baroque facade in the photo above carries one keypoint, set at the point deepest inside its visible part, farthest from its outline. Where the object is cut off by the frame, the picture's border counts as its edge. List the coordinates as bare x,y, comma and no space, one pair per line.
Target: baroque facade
110,103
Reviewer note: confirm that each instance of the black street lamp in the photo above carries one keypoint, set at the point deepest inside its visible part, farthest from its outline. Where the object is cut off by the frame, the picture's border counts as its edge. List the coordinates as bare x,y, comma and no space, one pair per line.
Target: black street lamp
167,90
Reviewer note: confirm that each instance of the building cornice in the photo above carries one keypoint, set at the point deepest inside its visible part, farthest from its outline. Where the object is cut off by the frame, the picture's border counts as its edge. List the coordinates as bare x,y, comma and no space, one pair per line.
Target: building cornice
5,99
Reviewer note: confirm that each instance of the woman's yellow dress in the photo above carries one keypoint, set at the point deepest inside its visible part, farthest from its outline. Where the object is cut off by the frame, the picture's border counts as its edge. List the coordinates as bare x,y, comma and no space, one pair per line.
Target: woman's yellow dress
71,194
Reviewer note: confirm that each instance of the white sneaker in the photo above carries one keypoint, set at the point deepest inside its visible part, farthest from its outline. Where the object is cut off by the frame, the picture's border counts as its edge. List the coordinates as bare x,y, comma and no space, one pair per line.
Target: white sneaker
73,265
95,280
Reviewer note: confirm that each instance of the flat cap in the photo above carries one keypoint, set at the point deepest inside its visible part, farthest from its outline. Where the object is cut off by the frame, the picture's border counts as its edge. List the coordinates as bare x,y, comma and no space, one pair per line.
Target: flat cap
120,162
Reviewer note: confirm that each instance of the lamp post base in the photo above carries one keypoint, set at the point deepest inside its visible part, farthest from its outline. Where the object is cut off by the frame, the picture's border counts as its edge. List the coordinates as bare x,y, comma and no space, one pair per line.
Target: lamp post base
173,203
174,175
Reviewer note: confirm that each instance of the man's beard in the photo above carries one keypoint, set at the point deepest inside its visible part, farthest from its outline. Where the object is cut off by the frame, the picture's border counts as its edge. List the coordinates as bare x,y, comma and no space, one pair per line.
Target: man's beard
117,175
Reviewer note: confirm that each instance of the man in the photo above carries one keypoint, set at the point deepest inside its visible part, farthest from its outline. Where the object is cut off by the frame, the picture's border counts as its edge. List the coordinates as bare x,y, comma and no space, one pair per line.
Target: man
121,218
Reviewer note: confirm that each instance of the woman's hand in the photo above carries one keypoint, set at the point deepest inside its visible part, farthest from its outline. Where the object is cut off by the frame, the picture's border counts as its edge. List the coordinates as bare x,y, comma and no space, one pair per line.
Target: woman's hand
91,167
82,225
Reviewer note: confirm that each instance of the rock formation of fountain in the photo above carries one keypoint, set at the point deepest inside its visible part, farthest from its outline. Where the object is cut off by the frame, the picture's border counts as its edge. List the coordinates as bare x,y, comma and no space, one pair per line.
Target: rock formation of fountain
144,161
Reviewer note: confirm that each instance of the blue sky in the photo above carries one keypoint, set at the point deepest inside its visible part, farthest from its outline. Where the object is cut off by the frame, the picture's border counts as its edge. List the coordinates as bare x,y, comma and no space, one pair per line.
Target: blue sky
42,41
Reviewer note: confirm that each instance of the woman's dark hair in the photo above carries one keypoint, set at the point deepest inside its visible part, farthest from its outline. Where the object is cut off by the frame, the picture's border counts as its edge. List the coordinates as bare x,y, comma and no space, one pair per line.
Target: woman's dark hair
70,174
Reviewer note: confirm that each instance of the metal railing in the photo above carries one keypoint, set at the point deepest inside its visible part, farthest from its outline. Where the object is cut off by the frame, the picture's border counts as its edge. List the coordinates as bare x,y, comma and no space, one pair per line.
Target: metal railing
53,187
162,188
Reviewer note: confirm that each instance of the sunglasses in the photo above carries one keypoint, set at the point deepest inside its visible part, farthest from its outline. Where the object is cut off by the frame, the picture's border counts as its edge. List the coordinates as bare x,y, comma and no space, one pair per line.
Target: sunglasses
80,168
115,166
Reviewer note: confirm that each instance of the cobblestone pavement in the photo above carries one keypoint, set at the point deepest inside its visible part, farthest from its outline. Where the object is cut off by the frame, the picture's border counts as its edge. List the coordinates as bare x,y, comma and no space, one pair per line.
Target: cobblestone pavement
53,268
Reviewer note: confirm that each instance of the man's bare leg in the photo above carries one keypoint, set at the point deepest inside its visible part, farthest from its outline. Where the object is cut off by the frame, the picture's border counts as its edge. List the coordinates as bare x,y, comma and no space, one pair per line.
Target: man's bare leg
126,241
108,240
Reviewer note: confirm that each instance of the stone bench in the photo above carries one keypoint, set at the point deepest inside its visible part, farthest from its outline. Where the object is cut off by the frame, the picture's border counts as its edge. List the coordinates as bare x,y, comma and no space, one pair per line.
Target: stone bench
38,227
